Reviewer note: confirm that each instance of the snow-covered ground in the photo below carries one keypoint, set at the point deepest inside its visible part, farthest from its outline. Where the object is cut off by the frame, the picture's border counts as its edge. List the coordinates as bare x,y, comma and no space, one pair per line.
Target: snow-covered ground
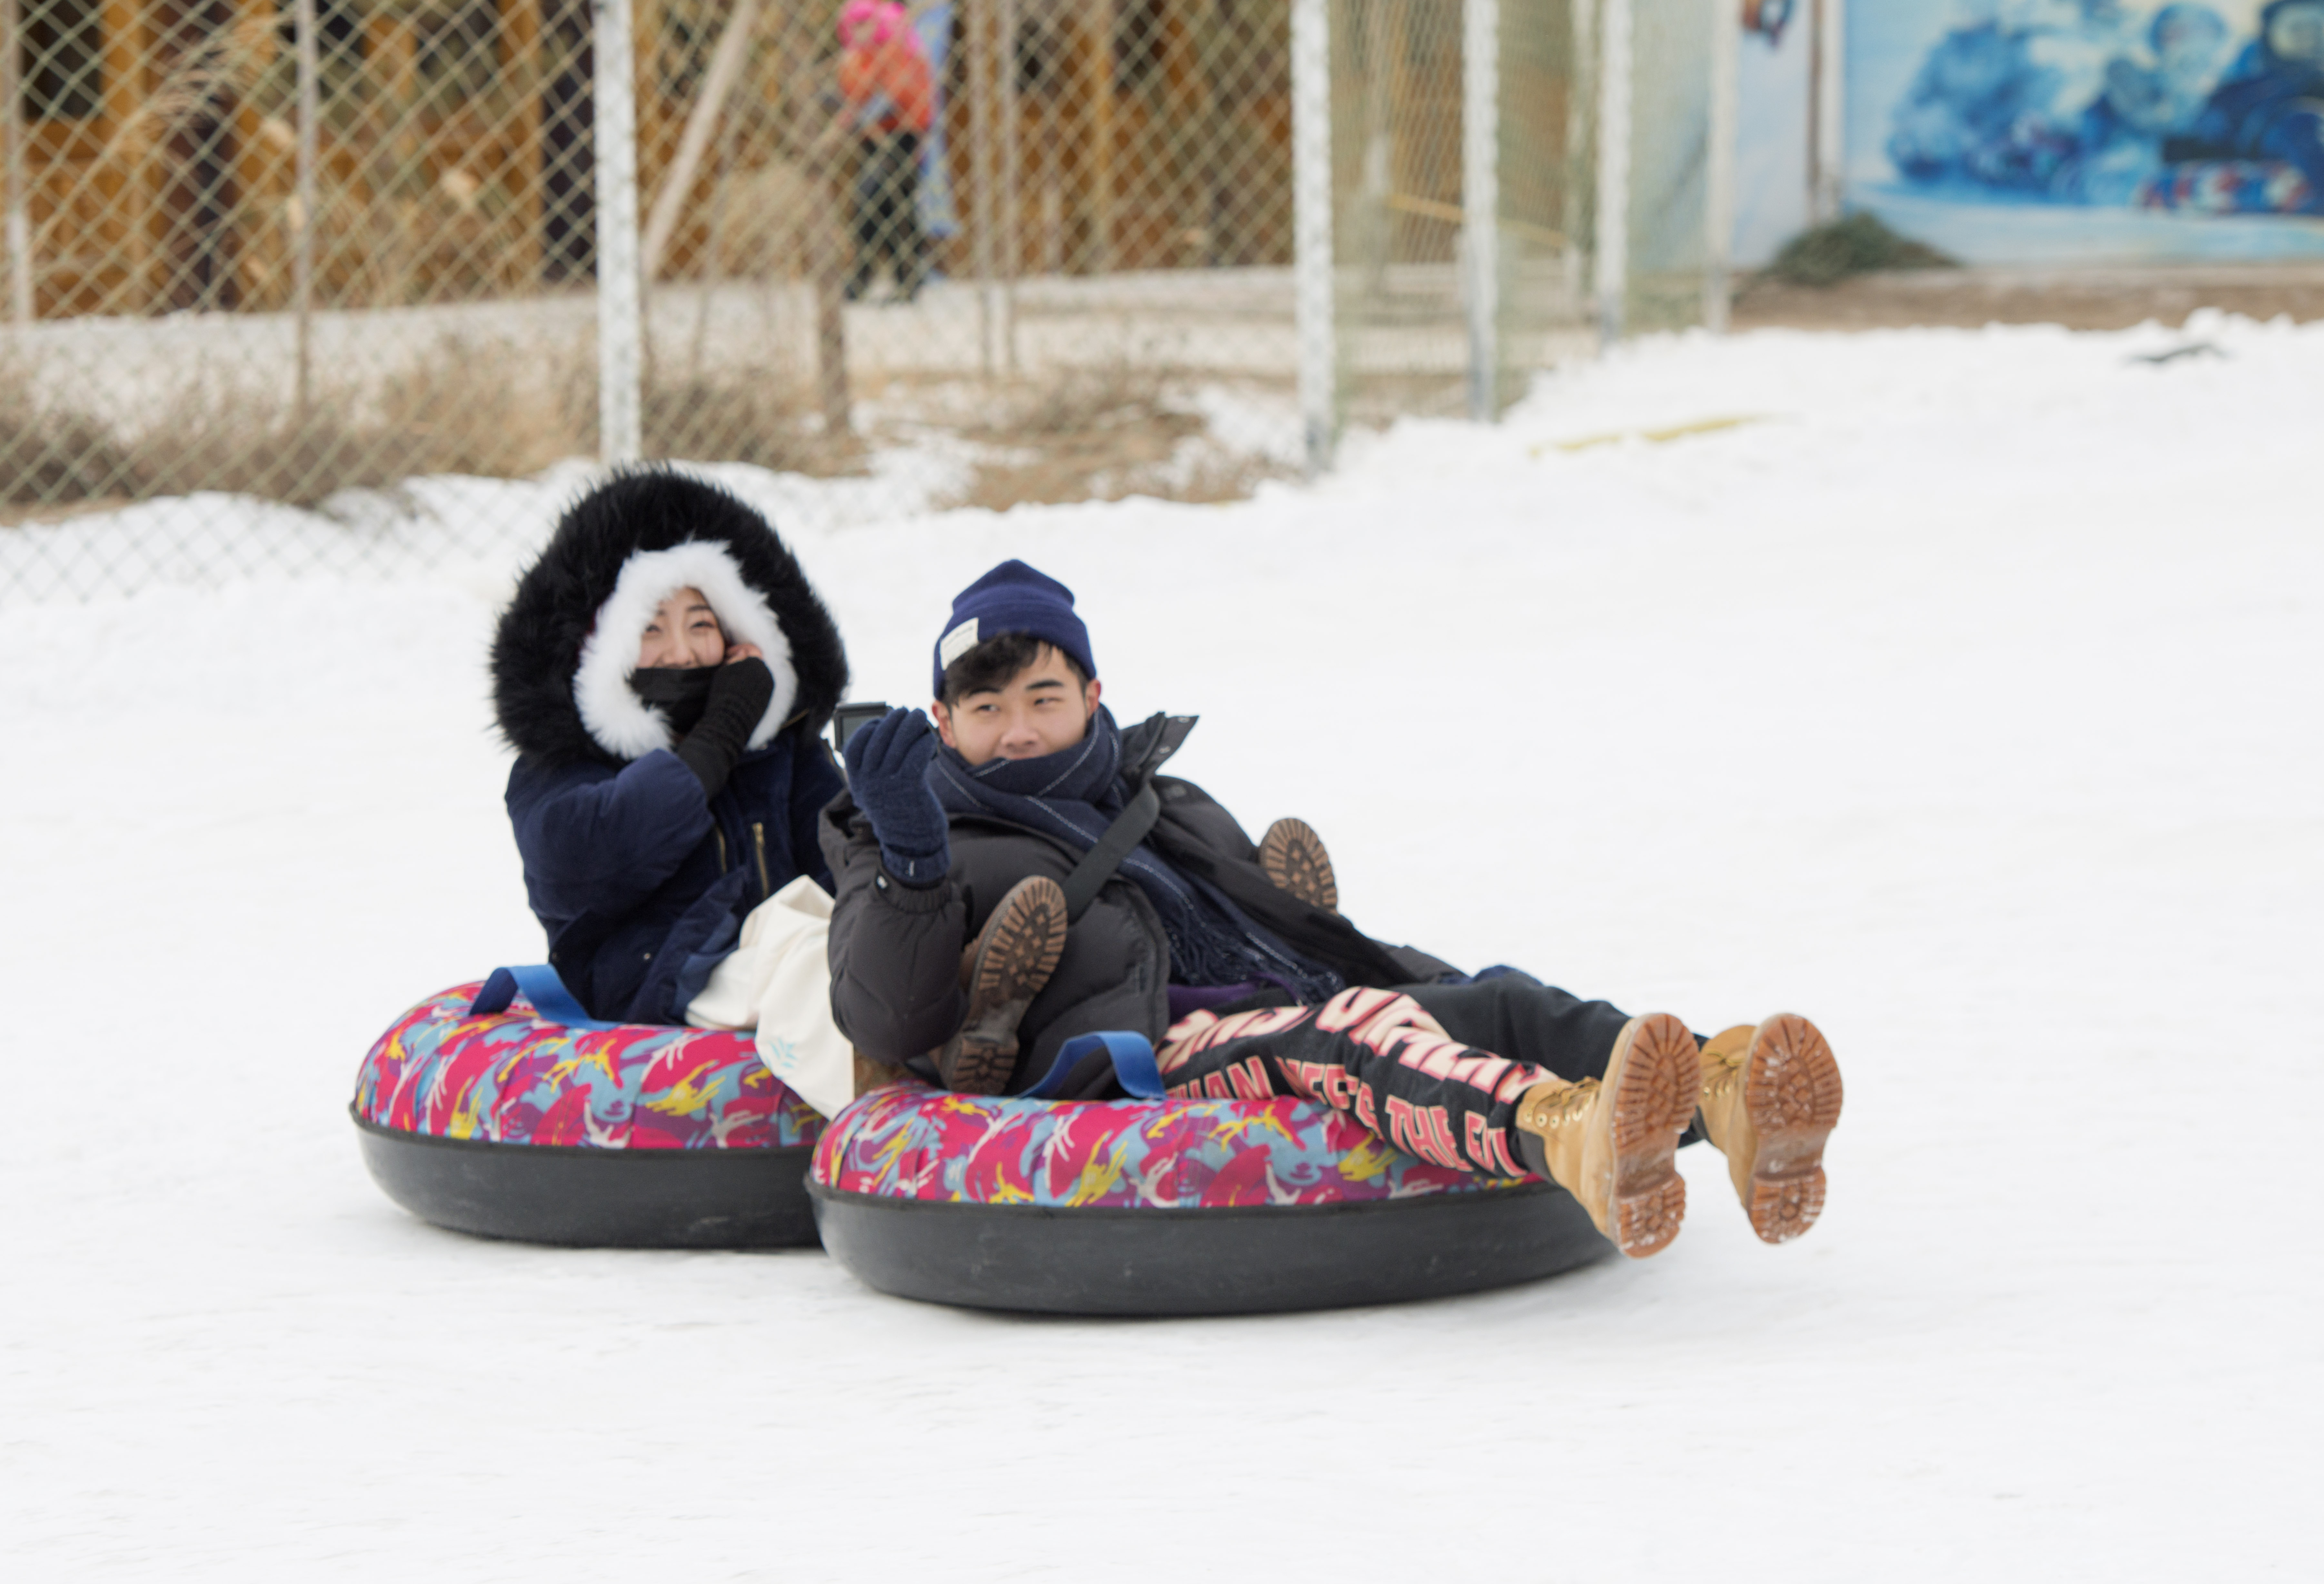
1967,698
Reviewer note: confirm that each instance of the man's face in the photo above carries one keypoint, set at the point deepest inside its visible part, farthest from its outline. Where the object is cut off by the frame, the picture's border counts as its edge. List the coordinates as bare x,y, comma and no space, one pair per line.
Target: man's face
684,632
1039,711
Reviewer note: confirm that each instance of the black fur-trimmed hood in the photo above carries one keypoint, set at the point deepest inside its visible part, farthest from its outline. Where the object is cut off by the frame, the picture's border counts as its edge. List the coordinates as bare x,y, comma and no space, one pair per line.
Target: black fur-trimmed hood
569,640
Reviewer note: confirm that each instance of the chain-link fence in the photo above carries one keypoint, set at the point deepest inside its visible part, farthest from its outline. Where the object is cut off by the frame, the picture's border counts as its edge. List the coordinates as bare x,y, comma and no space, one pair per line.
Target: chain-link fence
1676,196
1420,143
289,281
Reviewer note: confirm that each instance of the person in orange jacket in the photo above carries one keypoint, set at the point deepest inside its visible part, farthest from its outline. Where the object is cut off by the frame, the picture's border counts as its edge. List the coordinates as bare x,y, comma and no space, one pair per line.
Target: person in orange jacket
887,99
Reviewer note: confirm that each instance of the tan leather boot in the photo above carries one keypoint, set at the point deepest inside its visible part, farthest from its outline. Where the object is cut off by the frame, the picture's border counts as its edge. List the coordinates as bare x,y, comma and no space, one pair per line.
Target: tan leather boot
1007,965
1771,1096
1294,858
870,1074
1610,1142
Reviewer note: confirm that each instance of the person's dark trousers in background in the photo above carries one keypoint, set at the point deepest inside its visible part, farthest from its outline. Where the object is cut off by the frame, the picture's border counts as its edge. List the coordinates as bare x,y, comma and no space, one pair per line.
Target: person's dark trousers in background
886,212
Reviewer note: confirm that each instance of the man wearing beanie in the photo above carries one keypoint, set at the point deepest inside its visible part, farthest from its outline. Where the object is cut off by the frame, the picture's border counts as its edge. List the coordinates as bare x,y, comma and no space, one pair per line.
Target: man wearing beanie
1016,873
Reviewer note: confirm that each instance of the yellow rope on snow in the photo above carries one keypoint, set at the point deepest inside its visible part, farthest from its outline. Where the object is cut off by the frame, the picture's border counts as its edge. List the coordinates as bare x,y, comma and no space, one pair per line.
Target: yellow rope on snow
1706,426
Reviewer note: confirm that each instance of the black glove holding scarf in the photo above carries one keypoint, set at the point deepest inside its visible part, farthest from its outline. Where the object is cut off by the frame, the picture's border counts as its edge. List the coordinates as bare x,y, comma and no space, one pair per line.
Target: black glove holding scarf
713,707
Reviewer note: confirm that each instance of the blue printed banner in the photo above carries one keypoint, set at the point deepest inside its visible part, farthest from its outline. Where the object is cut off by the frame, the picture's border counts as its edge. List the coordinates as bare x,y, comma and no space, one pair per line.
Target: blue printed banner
2036,131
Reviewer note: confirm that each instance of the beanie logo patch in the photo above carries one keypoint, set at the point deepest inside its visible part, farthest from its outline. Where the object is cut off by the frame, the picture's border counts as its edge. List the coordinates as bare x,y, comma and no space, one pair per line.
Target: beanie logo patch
957,642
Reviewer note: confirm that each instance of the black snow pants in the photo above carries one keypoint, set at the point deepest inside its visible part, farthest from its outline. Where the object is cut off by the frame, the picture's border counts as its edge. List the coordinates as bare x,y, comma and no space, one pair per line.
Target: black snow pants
885,214
1435,1070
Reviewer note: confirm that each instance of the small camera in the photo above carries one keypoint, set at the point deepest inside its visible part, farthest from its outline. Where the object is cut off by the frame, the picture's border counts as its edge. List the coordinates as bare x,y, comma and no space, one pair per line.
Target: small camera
849,719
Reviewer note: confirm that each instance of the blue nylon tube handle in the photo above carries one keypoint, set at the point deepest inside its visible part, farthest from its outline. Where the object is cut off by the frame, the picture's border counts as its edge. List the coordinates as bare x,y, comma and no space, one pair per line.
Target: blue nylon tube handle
1134,1065
539,984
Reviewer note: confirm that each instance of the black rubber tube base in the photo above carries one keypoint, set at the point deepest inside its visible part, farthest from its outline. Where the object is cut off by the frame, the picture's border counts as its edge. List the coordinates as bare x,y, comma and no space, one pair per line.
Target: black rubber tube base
598,1198
1243,1261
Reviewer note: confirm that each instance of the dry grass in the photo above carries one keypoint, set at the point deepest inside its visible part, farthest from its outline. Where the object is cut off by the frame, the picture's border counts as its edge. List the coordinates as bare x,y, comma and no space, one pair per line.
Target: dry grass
1102,434
460,410
1098,434
47,459
754,419
1225,478
1077,402
1860,244
758,225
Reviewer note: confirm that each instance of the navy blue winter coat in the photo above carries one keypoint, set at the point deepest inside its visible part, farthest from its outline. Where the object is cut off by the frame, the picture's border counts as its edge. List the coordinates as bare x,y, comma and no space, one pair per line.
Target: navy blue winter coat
641,881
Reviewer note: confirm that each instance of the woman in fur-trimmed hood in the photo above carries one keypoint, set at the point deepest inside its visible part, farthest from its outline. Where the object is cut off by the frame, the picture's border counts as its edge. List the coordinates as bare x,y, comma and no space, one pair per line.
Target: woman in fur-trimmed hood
663,673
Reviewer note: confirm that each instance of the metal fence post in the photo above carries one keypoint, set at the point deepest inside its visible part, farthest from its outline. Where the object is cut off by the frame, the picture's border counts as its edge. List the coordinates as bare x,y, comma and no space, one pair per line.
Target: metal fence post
1612,279
984,88
1719,168
18,224
1012,163
302,260
621,324
489,169
1579,209
1311,227
1827,97
1098,18
1480,199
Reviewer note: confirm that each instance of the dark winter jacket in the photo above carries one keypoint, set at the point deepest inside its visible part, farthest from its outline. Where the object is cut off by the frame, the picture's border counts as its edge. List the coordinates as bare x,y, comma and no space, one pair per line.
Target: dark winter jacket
895,952
641,881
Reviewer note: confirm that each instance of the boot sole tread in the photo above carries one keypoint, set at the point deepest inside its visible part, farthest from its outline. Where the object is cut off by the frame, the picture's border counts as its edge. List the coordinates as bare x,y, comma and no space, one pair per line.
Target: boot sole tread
1020,949
1792,1093
1653,1100
1023,944
1296,861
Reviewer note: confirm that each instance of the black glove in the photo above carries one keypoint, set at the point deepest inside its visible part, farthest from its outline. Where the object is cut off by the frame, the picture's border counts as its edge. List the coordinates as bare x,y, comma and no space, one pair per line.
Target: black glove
888,772
739,696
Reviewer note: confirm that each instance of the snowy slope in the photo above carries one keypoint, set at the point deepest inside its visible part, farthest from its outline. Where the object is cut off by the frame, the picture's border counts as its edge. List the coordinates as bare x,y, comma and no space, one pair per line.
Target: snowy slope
1966,699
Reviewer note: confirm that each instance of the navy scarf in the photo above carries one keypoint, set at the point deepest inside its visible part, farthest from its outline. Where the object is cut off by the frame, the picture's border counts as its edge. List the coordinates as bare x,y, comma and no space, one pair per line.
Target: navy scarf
1075,795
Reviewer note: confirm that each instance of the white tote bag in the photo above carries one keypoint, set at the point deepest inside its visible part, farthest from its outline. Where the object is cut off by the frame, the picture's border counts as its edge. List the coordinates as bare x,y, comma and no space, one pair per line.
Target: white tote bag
777,983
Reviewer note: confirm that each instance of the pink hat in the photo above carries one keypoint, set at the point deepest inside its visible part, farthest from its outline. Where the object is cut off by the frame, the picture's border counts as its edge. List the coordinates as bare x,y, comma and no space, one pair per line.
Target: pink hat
870,21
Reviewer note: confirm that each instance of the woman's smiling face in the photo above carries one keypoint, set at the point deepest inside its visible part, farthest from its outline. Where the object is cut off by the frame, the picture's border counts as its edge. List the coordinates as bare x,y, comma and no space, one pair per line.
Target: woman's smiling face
684,631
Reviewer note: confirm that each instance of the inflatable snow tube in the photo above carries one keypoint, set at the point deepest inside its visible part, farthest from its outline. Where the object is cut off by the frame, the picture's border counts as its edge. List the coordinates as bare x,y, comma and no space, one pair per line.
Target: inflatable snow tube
1166,1207
511,1126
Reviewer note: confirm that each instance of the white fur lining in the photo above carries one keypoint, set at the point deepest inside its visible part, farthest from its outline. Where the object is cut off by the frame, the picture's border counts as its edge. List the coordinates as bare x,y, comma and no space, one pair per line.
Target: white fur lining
623,722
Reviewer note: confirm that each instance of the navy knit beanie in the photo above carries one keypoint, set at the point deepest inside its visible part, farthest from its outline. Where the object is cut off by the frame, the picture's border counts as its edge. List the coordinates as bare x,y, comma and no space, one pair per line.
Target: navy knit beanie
1013,598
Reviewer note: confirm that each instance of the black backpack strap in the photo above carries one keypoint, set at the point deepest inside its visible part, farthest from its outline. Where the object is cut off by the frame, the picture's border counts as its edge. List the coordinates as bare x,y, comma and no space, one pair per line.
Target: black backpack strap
1098,864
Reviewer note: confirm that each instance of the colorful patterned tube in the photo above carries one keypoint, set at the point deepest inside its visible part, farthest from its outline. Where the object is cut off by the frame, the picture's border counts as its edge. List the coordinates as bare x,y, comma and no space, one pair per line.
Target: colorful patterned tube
1166,1207
511,1126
